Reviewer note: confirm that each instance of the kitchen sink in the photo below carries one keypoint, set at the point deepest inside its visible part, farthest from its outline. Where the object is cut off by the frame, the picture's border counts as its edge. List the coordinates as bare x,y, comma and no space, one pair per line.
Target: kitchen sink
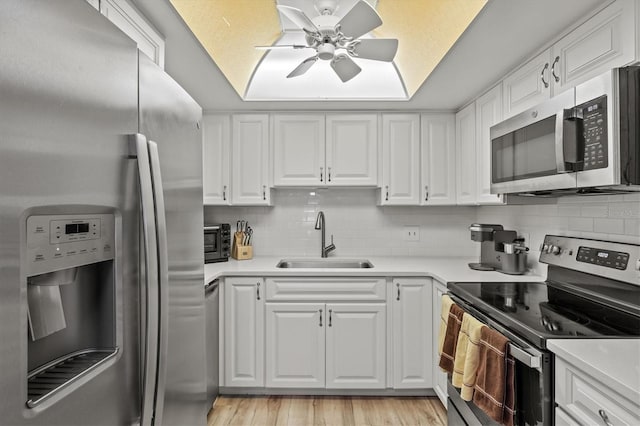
324,263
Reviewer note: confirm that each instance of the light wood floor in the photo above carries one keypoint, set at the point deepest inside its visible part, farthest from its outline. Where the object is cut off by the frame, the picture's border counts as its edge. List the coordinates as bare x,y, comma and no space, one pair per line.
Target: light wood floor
327,410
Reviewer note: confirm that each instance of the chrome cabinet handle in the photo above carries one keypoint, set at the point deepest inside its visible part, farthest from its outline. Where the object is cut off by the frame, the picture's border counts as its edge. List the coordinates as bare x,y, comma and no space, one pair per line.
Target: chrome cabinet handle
398,285
258,291
604,417
329,173
553,69
264,192
426,192
320,317
329,317
387,197
546,83
224,193
321,170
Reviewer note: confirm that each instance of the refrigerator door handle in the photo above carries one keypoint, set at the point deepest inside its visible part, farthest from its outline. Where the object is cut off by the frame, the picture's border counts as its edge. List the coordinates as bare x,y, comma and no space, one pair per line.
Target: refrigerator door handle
163,282
150,369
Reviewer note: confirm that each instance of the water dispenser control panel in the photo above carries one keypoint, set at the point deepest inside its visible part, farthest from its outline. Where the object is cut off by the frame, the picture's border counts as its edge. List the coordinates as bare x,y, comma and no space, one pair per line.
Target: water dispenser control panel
57,242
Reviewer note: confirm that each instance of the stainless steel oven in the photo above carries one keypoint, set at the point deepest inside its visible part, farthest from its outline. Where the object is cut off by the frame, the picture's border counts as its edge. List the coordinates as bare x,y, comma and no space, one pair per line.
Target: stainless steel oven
591,292
217,243
586,139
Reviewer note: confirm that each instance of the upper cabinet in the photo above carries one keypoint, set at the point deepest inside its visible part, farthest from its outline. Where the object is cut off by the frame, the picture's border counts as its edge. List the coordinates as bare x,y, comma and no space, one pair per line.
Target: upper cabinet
216,159
314,150
132,23
606,40
466,155
250,160
438,159
400,159
488,113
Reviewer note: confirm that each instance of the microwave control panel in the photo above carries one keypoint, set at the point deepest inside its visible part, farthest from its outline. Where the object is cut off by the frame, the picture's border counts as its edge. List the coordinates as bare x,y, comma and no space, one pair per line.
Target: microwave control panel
594,121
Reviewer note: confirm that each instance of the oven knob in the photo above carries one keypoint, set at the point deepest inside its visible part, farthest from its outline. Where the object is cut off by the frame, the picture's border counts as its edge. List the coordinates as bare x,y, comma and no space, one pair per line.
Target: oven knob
555,325
555,250
544,247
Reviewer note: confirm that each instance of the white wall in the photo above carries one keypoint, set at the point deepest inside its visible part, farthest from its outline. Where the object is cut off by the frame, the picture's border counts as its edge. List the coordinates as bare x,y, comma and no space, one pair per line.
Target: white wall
360,228
615,218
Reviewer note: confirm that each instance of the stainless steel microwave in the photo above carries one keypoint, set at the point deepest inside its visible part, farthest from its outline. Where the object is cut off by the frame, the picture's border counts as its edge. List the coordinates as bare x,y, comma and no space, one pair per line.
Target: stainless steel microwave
585,140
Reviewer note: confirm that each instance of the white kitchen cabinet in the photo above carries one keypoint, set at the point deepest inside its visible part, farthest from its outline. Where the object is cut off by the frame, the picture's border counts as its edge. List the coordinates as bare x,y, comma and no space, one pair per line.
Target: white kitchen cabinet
400,159
439,376
606,40
352,149
527,86
438,159
314,150
562,418
466,155
250,160
589,401
244,332
488,113
131,22
356,346
94,3
295,345
412,331
298,149
216,159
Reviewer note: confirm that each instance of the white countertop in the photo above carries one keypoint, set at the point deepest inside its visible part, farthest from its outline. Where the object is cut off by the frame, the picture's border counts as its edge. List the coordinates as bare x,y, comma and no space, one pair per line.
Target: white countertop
614,362
444,269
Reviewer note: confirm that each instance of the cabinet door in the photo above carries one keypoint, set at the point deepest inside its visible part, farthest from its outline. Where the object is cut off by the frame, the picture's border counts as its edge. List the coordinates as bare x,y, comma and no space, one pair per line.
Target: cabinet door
250,183
298,150
132,23
400,159
488,113
244,332
439,377
438,159
352,150
295,345
356,346
605,41
216,141
466,155
412,330
528,85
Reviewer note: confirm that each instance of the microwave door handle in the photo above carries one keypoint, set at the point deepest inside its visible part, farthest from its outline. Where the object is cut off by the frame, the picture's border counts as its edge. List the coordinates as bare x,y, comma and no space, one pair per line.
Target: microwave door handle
140,151
569,140
561,166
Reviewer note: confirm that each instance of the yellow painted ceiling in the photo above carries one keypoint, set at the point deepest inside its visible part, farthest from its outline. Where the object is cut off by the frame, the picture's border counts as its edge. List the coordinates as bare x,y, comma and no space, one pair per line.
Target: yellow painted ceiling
229,30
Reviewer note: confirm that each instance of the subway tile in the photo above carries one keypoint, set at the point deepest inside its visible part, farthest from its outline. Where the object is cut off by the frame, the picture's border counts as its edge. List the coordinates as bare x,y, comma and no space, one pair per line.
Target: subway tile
625,210
581,224
632,227
608,226
595,210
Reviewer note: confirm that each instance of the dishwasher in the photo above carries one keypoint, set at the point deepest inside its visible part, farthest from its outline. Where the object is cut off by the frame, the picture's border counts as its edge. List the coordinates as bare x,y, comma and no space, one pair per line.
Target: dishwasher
212,292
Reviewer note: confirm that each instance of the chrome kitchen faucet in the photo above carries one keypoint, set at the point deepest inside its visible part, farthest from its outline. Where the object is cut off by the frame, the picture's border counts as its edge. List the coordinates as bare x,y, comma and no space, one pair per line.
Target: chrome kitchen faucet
320,225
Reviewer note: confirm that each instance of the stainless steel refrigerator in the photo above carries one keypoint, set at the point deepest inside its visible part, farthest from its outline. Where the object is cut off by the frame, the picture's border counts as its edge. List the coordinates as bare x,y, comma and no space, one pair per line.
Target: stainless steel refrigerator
101,260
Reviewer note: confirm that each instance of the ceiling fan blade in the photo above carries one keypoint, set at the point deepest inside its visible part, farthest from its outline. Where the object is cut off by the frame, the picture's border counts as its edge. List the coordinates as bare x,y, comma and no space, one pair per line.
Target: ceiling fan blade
303,67
358,21
282,46
382,49
298,17
345,67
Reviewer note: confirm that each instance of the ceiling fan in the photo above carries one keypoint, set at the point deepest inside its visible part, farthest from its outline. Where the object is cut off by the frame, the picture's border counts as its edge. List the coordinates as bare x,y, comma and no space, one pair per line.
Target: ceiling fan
329,34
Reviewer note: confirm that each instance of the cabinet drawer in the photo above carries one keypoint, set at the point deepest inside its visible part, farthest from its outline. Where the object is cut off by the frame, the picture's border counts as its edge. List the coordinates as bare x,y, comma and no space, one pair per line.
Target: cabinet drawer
588,400
326,289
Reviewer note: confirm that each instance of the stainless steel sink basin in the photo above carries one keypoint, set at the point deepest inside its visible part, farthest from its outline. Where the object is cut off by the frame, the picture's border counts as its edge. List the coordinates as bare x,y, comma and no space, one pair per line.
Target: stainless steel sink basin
324,263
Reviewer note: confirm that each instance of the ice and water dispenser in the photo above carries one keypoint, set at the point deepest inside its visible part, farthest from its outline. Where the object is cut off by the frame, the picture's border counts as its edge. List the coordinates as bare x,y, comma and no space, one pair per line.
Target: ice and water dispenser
70,267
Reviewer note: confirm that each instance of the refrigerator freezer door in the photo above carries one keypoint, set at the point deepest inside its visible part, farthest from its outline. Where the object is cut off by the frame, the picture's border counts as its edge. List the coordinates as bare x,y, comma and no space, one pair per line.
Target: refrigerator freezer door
171,118
68,98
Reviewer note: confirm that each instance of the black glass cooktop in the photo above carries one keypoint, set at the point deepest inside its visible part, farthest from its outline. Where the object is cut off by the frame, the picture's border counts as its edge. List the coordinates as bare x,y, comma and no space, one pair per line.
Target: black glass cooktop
545,310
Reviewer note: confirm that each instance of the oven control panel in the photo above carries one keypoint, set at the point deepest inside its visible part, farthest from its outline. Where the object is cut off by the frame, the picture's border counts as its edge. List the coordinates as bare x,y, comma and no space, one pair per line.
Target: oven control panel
618,261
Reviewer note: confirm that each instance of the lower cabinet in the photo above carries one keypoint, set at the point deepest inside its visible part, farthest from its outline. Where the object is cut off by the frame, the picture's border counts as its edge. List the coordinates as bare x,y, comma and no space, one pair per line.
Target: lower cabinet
317,345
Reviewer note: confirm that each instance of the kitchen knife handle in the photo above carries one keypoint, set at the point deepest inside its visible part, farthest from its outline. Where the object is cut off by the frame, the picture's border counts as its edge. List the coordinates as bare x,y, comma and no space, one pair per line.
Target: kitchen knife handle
224,193
320,317
546,83
553,69
329,173
329,317
387,189
258,291
398,285
321,170
604,417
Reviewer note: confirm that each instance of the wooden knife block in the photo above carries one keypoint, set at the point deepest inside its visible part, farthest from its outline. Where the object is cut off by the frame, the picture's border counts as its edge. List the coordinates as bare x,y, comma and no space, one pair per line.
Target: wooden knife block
240,251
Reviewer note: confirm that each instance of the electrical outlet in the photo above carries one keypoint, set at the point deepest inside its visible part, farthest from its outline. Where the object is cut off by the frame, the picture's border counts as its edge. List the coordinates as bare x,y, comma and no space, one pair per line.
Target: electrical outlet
411,233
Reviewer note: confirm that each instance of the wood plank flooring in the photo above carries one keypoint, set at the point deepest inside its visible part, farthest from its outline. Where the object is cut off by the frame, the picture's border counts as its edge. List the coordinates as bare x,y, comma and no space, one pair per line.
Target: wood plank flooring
326,410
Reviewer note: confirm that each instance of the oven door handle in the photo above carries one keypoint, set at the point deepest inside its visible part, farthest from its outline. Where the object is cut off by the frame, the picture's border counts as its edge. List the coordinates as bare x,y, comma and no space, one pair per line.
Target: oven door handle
530,360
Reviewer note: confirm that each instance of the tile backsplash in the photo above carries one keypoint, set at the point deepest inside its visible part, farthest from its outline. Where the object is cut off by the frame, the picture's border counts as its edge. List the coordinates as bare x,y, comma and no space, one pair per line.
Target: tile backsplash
359,227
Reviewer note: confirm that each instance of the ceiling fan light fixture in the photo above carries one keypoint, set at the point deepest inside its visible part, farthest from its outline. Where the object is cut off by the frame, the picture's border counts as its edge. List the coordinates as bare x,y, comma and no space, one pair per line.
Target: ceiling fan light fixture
326,51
